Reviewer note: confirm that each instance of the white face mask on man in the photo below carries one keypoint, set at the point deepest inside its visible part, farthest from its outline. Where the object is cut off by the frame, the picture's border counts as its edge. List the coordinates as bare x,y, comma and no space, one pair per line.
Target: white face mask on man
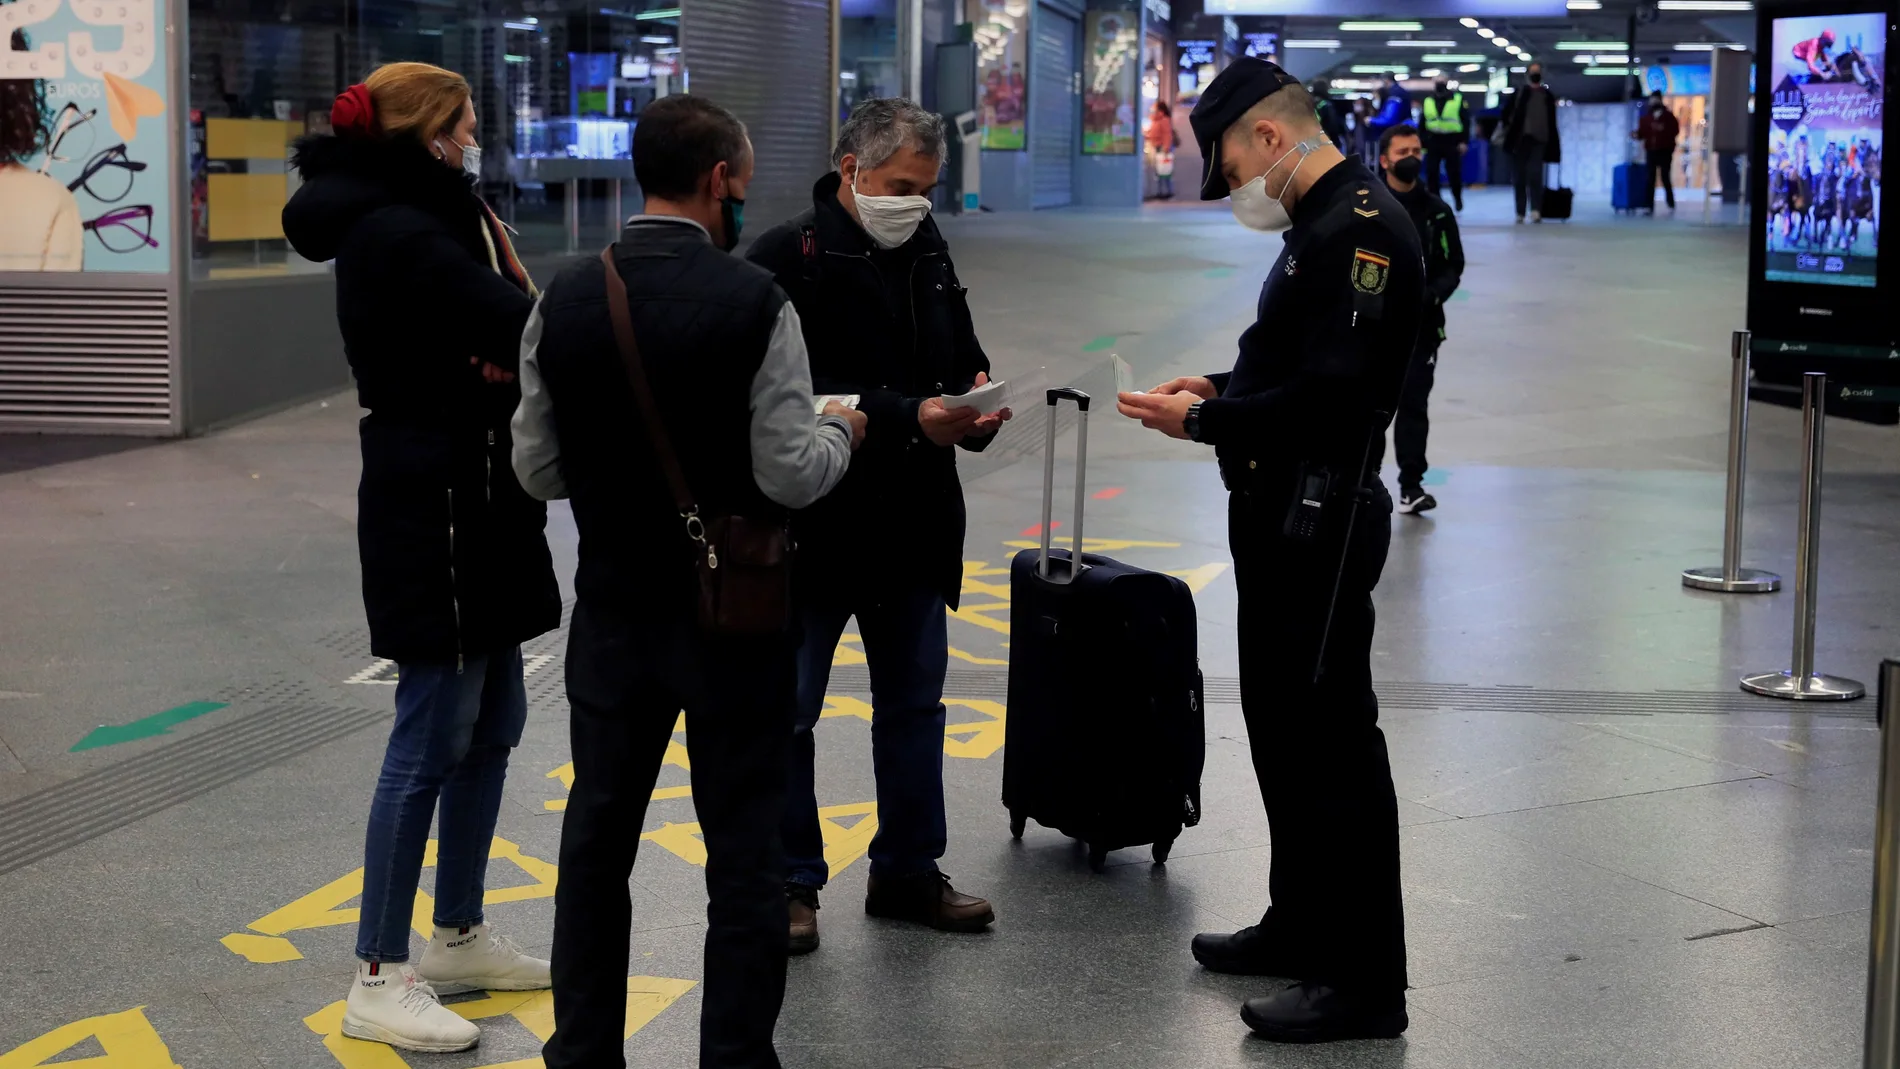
1255,209
889,220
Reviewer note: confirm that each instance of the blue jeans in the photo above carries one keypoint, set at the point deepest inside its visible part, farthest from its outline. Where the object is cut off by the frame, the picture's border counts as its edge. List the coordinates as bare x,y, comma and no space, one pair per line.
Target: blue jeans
451,740
907,642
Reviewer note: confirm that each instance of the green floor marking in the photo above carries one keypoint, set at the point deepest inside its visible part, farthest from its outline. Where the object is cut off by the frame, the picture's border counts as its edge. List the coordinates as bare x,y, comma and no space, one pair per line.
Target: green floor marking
1096,345
156,724
1217,272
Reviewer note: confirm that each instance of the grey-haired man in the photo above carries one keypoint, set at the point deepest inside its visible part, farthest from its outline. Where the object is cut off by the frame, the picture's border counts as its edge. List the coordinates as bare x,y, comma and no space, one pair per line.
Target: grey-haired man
885,320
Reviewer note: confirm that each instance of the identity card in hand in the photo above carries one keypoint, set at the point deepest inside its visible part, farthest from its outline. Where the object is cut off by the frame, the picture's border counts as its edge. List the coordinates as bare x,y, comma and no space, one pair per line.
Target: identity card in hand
990,397
1124,374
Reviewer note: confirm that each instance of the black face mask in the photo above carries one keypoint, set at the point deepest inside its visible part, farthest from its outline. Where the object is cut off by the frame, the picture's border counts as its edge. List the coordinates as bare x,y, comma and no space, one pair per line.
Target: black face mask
1443,88
1406,169
732,218
1537,77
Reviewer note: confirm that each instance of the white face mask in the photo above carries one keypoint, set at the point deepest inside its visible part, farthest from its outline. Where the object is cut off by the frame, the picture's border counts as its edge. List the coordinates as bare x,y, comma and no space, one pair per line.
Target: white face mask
1255,210
471,158
889,220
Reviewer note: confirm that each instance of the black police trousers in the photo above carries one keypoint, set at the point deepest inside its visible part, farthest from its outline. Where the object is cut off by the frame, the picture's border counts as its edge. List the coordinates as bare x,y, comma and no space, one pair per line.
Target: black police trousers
1443,148
1318,751
628,678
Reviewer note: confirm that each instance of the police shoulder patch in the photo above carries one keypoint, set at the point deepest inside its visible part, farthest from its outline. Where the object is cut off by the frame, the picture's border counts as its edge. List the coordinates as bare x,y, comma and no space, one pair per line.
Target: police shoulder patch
1369,271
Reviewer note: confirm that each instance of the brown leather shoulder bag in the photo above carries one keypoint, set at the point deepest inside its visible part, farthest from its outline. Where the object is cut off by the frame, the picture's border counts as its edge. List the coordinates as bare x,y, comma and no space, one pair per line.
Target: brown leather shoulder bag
744,566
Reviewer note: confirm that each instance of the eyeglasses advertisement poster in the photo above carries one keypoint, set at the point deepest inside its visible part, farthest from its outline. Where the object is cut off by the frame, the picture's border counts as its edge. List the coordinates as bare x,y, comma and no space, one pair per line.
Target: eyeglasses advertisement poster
85,152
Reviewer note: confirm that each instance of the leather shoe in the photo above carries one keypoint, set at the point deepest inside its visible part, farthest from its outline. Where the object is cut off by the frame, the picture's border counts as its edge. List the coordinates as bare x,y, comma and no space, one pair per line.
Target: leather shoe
1248,952
927,899
802,905
1316,1013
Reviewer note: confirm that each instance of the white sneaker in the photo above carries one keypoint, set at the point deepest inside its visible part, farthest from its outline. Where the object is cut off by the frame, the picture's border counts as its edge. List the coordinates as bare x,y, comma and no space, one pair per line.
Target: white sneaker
390,1004
1537,217
476,957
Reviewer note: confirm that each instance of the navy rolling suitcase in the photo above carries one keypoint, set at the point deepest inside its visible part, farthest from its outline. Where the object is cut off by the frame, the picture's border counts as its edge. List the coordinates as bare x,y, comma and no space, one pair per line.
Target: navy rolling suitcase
1105,737
1632,188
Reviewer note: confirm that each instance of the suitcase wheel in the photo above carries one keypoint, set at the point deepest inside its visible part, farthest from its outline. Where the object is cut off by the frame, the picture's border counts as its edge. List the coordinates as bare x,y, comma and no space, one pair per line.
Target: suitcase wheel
1017,822
1098,858
1162,850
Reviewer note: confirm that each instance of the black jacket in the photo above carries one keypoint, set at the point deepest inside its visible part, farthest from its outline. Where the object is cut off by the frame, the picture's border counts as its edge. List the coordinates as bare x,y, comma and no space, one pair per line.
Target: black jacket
1444,257
1331,342
1513,120
892,326
455,562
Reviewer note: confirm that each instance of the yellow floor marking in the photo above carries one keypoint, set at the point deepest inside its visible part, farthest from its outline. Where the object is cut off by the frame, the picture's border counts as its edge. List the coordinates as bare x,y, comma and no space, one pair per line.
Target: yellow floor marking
974,659
848,654
1198,579
324,907
985,736
836,705
676,754
127,1038
978,615
647,998
844,843
1097,545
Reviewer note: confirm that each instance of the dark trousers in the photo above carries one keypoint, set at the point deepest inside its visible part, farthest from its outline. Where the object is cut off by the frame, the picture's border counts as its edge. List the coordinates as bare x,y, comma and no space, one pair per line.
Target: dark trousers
1661,165
1411,424
1527,175
628,678
1440,148
1318,751
907,642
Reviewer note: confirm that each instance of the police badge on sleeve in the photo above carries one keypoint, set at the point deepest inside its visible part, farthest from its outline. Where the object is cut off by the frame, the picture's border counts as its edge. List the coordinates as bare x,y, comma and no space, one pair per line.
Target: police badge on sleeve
1369,271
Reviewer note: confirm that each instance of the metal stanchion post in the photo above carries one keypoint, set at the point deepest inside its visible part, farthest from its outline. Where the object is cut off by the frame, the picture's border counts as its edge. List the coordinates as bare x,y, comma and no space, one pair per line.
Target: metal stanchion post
615,220
1802,682
1731,577
573,216
1883,952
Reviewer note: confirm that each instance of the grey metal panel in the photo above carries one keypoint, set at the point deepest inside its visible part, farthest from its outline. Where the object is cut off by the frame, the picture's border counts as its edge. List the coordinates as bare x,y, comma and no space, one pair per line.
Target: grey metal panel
770,62
85,357
259,345
1053,102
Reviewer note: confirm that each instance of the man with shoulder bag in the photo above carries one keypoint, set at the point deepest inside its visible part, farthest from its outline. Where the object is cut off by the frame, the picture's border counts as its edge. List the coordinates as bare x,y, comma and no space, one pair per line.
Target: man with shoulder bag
667,393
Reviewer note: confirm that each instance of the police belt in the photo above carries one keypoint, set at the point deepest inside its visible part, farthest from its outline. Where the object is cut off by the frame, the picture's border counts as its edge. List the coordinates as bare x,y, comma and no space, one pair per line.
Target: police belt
1278,479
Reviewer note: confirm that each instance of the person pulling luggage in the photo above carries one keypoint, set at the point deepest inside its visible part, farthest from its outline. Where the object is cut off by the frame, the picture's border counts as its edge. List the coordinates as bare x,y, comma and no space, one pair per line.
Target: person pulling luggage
1293,426
1399,153
886,320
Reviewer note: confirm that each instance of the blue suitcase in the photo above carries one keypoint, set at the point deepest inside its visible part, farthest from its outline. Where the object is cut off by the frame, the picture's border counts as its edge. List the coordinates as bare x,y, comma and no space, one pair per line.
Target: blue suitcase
1105,737
1631,188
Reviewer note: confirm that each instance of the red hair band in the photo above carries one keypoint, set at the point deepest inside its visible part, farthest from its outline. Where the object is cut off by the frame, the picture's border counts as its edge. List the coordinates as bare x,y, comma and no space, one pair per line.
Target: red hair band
353,112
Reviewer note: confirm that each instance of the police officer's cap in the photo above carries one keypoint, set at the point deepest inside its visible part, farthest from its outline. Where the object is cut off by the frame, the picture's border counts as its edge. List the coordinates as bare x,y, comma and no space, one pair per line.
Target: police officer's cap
1246,82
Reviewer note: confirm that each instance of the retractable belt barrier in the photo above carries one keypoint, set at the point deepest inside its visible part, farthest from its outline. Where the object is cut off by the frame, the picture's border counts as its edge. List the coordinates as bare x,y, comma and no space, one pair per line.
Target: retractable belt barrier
1730,577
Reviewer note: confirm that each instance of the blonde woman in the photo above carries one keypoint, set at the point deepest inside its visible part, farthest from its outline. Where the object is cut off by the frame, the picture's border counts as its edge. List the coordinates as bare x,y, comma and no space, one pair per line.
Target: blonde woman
456,574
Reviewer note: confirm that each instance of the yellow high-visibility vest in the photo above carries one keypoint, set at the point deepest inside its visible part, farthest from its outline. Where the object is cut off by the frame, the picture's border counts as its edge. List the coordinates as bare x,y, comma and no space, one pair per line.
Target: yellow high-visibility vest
1451,122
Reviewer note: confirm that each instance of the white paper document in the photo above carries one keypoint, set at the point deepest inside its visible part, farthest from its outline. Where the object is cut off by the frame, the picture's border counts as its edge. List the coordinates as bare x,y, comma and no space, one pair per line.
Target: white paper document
990,397
848,400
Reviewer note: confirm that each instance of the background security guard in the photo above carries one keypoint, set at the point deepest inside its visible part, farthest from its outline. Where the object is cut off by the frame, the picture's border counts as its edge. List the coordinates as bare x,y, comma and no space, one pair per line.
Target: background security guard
1293,426
1447,137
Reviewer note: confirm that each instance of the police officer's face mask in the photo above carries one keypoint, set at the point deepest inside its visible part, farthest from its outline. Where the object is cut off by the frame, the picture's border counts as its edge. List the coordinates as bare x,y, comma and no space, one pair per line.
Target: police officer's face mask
1255,208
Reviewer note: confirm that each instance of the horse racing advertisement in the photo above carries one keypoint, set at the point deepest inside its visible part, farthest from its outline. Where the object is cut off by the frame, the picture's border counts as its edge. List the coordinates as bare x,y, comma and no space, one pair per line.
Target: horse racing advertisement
1826,77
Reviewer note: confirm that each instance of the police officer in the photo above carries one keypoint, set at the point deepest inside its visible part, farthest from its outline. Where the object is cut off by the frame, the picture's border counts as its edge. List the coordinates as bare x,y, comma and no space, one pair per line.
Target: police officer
1293,425
1447,137
1399,153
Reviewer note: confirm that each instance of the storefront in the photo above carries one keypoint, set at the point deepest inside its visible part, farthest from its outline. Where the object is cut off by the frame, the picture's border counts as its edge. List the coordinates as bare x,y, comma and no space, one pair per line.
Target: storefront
1061,104
175,305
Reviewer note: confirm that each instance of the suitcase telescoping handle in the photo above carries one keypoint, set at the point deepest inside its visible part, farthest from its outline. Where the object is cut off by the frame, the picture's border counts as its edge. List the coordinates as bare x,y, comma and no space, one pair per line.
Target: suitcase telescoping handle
1049,481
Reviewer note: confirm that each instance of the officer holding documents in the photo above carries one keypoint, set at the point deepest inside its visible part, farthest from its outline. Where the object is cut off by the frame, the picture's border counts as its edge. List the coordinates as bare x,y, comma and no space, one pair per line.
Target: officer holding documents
1293,425
888,327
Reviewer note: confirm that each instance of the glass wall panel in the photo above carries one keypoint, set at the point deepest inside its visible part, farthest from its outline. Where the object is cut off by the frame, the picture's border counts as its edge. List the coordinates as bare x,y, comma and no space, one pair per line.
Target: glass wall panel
557,84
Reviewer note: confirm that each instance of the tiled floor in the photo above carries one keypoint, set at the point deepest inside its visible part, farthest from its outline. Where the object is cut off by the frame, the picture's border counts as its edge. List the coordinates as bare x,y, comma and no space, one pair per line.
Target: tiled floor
1611,858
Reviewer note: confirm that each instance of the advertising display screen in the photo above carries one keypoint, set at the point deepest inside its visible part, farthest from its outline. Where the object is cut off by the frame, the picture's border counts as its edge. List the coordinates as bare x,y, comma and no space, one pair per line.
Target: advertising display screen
1826,76
1002,86
1108,107
85,152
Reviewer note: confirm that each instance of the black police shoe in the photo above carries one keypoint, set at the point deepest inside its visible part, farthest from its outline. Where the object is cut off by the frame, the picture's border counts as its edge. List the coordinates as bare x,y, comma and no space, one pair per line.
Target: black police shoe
1315,1013
1248,952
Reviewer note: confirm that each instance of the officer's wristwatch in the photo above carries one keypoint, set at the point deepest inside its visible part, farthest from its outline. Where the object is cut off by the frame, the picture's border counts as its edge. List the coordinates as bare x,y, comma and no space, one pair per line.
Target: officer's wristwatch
1191,423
